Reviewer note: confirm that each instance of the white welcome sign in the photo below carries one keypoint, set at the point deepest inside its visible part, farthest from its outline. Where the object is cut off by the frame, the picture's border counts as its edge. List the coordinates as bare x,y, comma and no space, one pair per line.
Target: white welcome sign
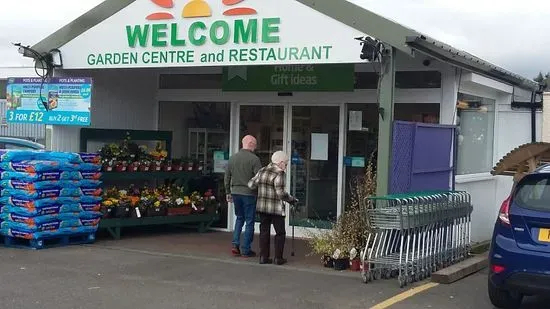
180,33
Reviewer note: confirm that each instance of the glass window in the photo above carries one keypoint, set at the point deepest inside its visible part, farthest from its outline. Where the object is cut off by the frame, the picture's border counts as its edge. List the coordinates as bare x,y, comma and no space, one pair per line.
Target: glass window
534,193
200,132
2,89
475,120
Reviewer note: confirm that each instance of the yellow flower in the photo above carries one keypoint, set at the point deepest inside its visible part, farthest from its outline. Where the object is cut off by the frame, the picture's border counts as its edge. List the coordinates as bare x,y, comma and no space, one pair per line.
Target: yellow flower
157,204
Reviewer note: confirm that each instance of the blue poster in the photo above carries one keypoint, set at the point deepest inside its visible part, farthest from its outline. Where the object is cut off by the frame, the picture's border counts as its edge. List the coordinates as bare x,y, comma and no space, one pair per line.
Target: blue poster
59,101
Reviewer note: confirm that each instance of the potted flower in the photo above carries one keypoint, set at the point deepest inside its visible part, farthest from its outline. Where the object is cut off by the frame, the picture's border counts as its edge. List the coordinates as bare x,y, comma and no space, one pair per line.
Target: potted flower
189,165
138,210
107,207
122,210
109,155
322,244
181,203
158,156
355,260
144,165
177,165
340,260
210,202
197,202
133,166
167,166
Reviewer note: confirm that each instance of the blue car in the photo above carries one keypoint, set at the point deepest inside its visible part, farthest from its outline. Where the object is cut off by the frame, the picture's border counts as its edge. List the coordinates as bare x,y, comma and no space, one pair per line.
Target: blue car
19,144
520,248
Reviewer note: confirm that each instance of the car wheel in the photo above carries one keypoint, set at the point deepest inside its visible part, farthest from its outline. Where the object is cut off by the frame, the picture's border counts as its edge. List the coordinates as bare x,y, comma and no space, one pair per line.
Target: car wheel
503,299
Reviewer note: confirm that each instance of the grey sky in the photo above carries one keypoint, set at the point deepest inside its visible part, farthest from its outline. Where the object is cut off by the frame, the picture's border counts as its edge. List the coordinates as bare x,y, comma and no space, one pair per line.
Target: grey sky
511,34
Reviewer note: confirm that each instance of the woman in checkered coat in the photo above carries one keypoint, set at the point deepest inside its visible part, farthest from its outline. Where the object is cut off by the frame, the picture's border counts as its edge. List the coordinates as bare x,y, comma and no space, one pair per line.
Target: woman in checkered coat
270,182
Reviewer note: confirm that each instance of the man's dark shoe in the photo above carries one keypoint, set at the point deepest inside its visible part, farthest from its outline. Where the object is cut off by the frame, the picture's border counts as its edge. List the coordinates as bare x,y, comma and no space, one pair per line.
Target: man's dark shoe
264,260
235,251
280,261
250,254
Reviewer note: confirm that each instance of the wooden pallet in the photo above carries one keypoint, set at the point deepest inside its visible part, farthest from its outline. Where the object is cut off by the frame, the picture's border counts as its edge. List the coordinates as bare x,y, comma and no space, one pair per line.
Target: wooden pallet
49,242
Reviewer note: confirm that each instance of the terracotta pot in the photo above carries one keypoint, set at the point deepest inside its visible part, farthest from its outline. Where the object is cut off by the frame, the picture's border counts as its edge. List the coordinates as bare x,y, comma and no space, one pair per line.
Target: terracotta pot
156,212
177,167
183,211
121,168
167,167
134,167
355,265
144,168
155,167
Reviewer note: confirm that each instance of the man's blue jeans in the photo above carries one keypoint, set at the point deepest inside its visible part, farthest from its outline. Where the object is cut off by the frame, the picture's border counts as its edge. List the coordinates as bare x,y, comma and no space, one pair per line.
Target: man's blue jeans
245,212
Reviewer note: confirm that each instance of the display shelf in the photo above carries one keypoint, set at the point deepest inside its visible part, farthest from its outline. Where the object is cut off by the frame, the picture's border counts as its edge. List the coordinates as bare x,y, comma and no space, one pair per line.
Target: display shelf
112,176
200,221
115,225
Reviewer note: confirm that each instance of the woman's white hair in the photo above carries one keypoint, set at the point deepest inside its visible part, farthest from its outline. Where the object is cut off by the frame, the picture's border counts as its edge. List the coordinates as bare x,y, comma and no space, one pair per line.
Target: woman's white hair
278,157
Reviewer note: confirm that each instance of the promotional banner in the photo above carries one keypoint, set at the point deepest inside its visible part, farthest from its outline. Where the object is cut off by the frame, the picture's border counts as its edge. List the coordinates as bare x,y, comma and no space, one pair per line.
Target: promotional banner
59,101
324,77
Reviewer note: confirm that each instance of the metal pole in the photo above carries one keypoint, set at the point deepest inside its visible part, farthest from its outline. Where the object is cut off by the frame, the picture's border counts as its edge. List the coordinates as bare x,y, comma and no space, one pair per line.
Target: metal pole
386,112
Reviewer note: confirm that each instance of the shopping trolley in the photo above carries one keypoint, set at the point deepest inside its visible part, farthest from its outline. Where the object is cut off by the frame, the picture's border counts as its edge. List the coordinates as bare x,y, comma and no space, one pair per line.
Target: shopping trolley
413,235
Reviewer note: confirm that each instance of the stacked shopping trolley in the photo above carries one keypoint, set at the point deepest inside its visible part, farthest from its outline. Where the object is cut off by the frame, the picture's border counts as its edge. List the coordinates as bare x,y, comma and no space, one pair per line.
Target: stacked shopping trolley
414,235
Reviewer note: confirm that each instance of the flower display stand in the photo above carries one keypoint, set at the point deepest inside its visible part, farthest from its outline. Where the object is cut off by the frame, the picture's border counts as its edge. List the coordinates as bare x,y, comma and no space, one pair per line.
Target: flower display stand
114,225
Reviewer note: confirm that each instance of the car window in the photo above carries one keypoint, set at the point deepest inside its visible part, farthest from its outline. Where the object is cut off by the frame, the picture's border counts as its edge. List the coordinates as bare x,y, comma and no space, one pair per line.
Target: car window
16,147
533,192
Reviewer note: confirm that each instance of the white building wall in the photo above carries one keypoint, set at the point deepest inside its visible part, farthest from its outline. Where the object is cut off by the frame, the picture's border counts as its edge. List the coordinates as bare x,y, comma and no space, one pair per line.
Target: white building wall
546,118
512,129
121,99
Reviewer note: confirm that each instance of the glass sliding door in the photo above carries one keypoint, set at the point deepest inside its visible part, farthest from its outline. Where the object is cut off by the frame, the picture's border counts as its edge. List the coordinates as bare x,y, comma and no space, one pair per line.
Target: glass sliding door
266,123
314,141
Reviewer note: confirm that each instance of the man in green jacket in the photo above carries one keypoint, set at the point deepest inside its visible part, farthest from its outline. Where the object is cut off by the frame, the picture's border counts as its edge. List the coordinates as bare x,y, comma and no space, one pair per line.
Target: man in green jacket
242,167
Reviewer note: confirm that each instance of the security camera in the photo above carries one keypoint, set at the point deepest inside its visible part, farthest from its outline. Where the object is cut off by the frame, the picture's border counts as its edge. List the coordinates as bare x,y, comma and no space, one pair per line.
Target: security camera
426,62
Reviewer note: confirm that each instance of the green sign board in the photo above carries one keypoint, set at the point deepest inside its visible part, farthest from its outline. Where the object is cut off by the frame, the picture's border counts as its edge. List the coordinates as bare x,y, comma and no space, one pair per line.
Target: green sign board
280,78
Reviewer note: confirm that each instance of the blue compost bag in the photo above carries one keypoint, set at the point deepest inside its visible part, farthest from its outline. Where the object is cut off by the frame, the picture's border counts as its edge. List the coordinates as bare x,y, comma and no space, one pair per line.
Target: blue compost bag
49,184
91,191
88,167
35,220
33,204
36,166
89,184
40,194
49,226
17,155
86,210
71,157
50,176
43,185
32,235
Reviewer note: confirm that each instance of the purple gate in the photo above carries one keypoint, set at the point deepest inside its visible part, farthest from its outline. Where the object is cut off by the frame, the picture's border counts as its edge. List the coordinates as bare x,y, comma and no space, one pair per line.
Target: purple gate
422,157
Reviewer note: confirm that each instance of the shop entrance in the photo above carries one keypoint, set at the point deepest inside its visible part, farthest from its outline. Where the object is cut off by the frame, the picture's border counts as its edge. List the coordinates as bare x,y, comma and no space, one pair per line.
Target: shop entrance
311,135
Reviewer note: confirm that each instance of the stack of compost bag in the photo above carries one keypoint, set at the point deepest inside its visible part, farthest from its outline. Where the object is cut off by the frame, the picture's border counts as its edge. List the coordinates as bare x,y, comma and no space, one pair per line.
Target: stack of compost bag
49,194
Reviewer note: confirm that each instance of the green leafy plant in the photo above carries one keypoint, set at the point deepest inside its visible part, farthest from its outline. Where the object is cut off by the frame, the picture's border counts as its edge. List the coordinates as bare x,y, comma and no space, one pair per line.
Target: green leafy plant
352,227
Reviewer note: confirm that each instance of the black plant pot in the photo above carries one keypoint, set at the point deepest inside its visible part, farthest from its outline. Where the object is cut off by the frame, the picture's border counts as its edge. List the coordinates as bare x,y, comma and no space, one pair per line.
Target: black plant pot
328,261
142,212
122,211
341,264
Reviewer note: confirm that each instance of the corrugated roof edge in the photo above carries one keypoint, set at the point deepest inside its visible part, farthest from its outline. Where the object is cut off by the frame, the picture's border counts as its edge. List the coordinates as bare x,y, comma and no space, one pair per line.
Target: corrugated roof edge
81,24
439,49
346,13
